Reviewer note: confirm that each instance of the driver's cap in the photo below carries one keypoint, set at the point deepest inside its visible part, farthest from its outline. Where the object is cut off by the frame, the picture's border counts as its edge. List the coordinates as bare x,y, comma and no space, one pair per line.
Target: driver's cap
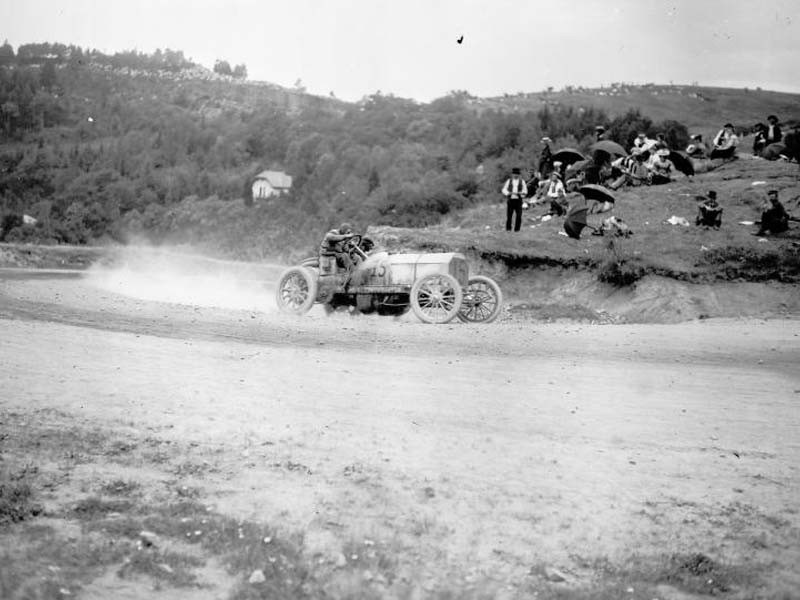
345,228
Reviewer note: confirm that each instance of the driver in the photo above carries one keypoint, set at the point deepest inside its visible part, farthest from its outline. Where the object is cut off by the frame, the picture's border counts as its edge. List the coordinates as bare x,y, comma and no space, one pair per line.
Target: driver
335,244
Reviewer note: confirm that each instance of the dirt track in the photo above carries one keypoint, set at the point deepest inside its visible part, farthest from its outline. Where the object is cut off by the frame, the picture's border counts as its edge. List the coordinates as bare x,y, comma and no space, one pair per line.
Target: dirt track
474,451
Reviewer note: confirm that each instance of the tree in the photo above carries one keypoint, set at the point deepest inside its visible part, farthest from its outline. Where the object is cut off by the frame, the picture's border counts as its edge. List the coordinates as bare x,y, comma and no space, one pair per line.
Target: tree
240,71
7,54
48,78
222,67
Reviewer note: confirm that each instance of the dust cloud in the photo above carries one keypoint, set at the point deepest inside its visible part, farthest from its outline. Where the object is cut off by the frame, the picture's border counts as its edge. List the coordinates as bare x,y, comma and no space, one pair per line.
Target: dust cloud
164,275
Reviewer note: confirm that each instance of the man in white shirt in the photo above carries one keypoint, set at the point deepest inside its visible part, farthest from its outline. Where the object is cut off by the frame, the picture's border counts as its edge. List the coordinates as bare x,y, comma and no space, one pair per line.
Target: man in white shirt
556,194
515,190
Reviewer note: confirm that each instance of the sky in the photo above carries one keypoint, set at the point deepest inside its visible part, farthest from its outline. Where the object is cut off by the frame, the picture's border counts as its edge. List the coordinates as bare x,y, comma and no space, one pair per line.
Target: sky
409,48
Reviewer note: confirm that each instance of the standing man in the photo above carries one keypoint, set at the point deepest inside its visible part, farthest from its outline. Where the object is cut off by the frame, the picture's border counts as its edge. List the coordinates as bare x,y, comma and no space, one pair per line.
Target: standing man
514,190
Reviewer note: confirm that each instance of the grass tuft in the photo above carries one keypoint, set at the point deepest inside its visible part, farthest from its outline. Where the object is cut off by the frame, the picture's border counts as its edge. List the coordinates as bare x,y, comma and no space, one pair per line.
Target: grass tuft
16,497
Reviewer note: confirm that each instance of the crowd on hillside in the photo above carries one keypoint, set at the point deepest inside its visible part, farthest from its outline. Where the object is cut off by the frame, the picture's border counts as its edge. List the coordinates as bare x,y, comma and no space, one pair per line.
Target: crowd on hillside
649,161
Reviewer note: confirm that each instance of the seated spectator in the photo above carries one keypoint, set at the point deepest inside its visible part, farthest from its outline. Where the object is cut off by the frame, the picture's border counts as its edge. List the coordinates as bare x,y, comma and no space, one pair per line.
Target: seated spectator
600,133
709,212
640,141
773,133
774,219
725,143
661,142
575,181
557,196
697,148
533,182
661,168
759,138
634,170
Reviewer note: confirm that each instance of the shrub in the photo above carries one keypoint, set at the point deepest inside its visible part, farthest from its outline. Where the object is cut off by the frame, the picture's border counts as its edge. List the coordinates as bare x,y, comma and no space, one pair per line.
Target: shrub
619,266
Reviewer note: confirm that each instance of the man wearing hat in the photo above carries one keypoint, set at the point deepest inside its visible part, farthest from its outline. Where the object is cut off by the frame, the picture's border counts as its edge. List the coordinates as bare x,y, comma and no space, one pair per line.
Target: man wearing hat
709,212
773,133
697,148
514,190
774,219
725,142
661,168
600,133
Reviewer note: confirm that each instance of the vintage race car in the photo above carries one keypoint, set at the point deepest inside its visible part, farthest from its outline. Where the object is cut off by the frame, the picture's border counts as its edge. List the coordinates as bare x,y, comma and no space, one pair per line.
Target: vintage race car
437,287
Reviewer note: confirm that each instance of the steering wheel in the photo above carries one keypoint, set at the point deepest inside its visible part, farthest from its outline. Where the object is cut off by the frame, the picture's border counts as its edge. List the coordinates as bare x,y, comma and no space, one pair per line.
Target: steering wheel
353,246
353,241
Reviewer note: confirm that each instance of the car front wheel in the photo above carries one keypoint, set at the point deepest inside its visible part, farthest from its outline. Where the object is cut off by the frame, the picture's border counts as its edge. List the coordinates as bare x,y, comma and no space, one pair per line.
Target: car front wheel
297,290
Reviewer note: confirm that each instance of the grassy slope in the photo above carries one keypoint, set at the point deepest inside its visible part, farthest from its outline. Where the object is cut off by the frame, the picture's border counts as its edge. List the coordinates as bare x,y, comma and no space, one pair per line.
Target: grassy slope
688,253
684,253
702,109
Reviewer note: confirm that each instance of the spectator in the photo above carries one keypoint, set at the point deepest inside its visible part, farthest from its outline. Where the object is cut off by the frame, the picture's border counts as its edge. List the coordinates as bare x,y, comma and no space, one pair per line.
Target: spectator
634,170
514,190
725,143
661,168
533,182
640,141
600,133
556,195
709,212
559,168
773,134
759,138
697,148
661,142
774,219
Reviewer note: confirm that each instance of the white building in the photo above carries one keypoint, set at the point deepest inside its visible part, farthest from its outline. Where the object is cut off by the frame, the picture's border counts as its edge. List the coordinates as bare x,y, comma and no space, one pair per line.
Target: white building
271,183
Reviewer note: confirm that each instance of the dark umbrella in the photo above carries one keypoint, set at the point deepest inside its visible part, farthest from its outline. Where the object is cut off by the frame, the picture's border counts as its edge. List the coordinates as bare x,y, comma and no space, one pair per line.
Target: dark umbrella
612,148
576,221
592,191
682,162
577,167
567,156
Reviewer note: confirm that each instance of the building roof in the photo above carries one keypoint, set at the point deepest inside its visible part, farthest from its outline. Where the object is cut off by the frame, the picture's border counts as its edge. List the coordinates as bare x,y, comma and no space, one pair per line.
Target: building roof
277,179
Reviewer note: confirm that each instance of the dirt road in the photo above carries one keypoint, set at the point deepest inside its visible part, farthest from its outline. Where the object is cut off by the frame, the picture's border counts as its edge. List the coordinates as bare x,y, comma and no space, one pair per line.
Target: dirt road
494,453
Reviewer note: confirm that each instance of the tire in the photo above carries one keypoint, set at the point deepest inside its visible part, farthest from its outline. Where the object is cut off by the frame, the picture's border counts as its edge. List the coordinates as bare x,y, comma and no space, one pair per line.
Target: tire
482,301
296,291
436,298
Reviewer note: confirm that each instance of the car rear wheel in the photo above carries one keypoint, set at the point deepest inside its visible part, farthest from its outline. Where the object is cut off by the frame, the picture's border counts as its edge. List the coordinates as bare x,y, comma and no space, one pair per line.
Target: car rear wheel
436,298
482,301
297,290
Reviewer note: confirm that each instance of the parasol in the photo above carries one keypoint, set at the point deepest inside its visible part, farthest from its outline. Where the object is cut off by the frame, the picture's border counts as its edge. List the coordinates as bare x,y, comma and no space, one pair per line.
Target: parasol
592,191
612,148
576,221
682,162
567,156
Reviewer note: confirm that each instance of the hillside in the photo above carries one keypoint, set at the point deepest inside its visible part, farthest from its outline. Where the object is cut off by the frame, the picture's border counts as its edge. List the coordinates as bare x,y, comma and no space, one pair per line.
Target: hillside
702,109
102,149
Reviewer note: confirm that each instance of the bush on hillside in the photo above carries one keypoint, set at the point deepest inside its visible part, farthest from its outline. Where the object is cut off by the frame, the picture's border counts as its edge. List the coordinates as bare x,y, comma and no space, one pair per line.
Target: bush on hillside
620,267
